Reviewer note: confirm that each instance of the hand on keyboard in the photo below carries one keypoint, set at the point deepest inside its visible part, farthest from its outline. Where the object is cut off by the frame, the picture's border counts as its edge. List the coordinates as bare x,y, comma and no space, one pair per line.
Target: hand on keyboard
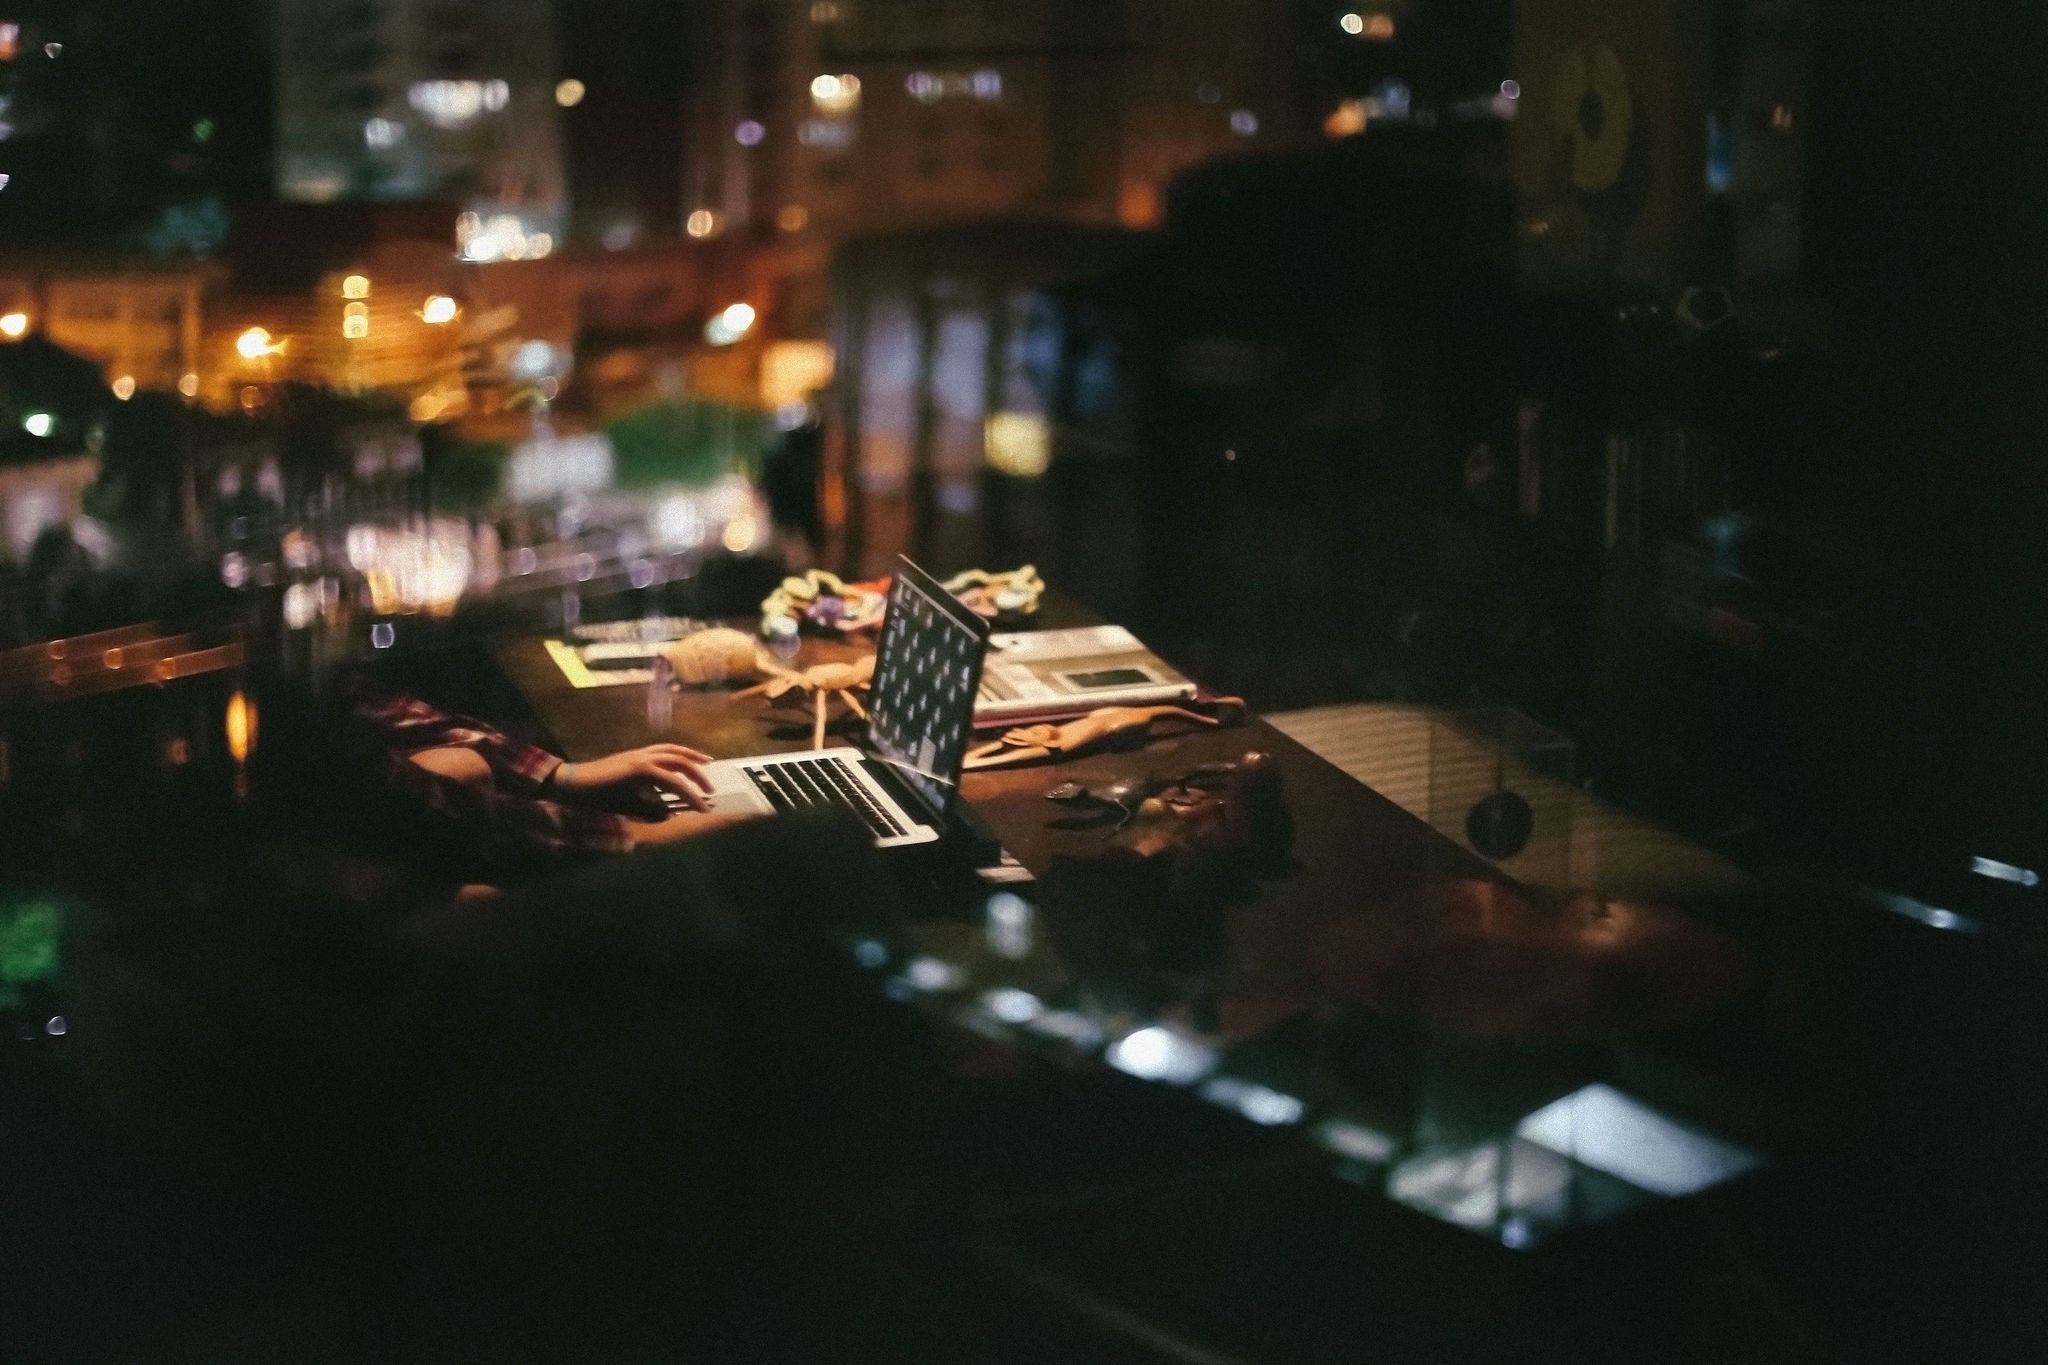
671,768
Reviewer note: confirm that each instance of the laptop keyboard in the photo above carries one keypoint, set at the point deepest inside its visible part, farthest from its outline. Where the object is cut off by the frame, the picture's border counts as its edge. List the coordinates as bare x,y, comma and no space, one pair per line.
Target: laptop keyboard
820,782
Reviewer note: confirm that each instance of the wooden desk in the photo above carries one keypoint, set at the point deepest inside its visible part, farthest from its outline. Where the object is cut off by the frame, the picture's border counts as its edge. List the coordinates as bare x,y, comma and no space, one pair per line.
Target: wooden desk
1255,997
1353,847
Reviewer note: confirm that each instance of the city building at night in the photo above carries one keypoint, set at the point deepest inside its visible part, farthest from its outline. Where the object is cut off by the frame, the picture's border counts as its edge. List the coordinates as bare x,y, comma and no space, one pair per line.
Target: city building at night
426,99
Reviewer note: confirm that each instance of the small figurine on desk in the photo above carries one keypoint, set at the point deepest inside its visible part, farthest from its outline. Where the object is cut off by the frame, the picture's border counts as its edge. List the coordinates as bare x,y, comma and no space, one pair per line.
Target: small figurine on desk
1107,727
713,656
822,681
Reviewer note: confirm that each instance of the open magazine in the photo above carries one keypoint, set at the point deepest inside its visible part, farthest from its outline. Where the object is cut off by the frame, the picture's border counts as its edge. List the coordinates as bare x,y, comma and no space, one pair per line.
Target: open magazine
1052,674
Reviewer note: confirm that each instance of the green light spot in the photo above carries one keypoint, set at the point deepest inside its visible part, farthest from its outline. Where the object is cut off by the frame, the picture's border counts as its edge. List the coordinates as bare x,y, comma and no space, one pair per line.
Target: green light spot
202,131
28,948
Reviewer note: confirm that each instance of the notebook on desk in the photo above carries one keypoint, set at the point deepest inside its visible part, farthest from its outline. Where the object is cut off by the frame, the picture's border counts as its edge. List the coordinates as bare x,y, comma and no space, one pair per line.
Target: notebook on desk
902,783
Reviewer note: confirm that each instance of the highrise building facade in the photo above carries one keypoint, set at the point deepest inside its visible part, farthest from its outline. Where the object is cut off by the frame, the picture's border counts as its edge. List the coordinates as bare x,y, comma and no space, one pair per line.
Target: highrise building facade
426,100
841,117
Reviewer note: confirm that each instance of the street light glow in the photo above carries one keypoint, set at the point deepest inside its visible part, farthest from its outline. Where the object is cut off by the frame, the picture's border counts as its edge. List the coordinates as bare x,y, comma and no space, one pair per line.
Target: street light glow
569,93
438,309
14,324
37,424
254,344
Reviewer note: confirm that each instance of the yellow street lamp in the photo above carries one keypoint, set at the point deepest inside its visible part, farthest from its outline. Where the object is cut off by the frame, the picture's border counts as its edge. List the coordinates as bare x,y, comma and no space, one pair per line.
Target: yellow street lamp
254,344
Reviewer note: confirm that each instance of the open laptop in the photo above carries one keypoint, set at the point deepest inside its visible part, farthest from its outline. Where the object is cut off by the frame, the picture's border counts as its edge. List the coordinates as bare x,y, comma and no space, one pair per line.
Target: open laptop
920,712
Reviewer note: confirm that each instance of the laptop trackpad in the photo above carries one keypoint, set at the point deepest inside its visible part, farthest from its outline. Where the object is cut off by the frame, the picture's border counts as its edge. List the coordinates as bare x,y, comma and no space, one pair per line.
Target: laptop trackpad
732,792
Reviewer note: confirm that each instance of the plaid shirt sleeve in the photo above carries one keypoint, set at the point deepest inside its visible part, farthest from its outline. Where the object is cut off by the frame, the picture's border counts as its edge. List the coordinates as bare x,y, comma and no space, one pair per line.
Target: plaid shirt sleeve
510,817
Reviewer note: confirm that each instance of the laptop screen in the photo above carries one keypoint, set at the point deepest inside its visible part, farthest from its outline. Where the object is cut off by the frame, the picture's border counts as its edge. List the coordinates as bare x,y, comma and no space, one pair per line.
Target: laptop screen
927,669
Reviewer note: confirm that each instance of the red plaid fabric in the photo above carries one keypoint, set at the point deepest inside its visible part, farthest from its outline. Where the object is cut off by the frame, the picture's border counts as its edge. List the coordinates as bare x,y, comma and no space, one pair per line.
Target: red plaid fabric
511,816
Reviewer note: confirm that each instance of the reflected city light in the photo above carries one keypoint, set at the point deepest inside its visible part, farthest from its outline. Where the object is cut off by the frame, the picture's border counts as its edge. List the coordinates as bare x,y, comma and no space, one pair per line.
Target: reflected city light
1355,1141
1261,1104
1011,1005
729,324
678,523
1070,1026
301,605
933,976
426,567
1348,119
2005,872
455,104
836,95
1159,1054
1017,444
241,727
740,533
1600,1127
13,324
1009,925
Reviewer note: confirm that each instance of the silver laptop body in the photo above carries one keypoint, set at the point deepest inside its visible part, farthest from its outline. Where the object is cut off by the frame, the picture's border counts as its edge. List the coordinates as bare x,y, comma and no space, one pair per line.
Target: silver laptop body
920,714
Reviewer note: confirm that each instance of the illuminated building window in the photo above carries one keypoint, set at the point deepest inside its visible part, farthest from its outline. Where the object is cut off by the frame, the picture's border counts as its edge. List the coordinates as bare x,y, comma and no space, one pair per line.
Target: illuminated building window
828,134
454,104
927,87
